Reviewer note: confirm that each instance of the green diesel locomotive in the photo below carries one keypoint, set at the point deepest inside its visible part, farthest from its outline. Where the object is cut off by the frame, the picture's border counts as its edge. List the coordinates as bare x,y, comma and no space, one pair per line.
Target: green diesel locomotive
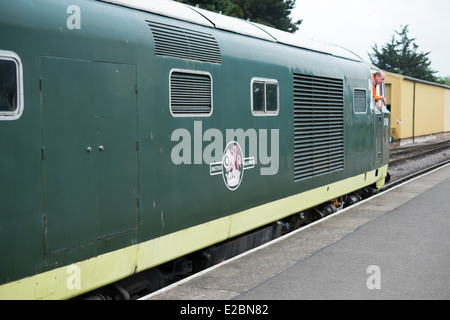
136,132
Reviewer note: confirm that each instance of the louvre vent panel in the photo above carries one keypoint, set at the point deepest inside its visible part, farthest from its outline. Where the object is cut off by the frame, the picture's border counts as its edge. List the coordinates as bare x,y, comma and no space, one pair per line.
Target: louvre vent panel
318,126
183,43
190,94
359,101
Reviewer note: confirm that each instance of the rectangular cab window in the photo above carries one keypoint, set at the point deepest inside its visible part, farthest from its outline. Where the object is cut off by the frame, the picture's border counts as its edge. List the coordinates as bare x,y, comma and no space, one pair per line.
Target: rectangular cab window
11,104
8,86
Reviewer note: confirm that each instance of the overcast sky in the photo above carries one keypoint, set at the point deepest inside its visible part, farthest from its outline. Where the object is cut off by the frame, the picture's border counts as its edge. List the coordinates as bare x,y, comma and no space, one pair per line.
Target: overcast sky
358,24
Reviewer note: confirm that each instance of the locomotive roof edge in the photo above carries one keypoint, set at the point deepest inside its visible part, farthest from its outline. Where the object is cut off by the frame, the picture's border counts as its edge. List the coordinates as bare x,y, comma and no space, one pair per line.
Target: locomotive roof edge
180,11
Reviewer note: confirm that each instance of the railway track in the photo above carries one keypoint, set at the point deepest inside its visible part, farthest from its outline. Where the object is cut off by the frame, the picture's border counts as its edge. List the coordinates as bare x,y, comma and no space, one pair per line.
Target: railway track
406,153
412,176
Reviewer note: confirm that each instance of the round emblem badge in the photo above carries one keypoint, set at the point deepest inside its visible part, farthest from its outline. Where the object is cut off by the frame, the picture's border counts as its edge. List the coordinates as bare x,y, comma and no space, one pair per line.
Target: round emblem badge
233,167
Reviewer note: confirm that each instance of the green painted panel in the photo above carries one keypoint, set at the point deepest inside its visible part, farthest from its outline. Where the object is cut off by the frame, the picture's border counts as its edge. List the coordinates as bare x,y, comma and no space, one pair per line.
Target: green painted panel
90,154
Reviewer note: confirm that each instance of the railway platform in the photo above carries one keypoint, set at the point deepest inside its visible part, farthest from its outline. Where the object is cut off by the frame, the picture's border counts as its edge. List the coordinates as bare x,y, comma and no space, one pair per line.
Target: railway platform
395,245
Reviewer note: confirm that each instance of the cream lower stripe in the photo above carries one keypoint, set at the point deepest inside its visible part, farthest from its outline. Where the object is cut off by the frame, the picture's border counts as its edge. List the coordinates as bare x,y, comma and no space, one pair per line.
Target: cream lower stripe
85,276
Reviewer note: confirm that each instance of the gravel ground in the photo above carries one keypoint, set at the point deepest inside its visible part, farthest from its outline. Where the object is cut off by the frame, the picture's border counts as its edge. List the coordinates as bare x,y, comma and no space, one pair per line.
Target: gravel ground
404,168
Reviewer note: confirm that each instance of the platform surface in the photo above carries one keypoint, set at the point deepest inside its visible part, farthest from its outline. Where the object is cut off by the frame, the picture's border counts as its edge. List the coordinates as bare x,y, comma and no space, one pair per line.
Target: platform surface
393,246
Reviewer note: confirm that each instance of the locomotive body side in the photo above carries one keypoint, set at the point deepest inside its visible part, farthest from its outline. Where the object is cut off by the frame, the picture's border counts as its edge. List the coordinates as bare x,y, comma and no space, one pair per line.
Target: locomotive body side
113,166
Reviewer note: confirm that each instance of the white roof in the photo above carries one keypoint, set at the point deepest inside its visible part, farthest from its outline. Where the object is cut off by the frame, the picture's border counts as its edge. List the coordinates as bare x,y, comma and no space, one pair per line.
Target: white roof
167,8
176,10
307,43
235,25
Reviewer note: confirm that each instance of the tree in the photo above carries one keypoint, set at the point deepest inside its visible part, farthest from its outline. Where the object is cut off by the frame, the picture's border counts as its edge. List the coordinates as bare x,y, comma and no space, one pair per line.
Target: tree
444,80
226,7
401,56
273,13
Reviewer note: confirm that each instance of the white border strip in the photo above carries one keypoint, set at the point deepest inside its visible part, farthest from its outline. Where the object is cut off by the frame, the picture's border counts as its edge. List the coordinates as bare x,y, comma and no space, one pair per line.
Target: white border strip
282,237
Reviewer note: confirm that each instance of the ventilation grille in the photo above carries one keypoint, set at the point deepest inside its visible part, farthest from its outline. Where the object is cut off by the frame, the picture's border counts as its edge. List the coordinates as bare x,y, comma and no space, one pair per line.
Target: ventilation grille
190,94
183,43
319,126
359,102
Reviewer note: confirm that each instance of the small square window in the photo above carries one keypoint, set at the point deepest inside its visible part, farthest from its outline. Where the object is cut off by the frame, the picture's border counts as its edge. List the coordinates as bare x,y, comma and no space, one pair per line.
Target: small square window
265,97
11,104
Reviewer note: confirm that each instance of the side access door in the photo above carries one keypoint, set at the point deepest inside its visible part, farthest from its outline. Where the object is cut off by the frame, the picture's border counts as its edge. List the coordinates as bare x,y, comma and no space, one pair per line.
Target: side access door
89,124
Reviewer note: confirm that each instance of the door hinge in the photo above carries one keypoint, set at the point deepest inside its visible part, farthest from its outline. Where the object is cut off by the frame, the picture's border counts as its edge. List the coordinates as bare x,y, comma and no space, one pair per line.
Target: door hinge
42,153
40,84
